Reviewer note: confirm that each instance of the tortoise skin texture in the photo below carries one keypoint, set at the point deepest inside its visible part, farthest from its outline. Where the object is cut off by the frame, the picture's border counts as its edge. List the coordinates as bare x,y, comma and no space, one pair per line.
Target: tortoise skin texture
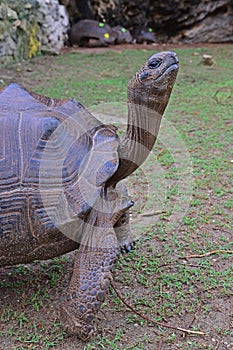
60,182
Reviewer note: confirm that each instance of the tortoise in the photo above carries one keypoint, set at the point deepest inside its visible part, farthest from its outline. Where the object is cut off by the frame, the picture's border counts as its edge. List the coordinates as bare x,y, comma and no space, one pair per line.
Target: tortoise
144,35
123,35
61,187
86,29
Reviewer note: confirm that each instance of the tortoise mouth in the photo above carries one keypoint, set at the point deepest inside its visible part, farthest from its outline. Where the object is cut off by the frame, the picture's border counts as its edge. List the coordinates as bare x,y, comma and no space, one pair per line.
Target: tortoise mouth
173,66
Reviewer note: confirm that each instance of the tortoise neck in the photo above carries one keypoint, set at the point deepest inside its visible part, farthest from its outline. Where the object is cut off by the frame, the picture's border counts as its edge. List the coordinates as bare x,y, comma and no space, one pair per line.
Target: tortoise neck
144,118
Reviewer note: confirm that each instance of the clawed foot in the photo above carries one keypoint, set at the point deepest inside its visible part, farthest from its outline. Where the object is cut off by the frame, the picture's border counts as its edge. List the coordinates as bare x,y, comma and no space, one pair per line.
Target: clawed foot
127,247
124,235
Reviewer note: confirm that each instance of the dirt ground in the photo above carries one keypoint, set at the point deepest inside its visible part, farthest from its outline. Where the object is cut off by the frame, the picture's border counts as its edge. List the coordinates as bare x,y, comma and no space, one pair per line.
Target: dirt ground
31,294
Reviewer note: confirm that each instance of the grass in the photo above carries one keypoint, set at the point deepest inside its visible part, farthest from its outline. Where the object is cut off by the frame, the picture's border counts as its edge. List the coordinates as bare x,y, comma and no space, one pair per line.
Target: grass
188,198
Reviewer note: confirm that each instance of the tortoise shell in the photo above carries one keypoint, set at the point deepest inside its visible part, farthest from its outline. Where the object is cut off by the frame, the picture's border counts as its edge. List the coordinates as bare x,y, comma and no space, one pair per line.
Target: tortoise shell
54,160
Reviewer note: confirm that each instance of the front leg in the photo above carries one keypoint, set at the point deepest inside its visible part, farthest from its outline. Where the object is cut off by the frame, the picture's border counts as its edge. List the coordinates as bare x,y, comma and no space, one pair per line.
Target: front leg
94,263
92,274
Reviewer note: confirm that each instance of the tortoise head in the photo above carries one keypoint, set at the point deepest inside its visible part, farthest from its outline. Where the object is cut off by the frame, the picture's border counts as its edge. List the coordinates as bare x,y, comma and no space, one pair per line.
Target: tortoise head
148,95
151,86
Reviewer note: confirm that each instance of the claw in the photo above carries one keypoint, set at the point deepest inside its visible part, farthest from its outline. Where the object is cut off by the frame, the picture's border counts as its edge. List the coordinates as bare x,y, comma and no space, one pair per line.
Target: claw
128,247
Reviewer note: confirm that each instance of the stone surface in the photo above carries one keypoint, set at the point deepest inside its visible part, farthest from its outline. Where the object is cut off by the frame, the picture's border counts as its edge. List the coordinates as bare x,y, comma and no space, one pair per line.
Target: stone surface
30,26
54,23
196,21
172,20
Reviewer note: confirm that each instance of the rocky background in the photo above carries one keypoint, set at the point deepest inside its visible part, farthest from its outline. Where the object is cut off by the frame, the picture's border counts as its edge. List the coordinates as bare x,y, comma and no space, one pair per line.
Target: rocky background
28,27
192,21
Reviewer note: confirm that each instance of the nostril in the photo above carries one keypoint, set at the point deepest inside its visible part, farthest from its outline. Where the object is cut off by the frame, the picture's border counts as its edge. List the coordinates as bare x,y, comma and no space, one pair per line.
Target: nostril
144,75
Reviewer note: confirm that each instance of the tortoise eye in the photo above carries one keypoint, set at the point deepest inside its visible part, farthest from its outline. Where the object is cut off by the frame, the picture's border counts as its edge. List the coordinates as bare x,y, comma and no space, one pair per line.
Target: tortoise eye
155,63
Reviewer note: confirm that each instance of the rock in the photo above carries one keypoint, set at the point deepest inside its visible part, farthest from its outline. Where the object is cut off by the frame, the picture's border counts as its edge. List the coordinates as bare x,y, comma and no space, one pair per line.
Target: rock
127,13
54,24
208,60
7,13
30,26
217,27
193,22
172,20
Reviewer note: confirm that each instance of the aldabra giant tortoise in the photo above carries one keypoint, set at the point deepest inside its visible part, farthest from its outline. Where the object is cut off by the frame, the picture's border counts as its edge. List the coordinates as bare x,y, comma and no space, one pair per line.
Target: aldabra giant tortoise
86,29
144,35
60,189
123,35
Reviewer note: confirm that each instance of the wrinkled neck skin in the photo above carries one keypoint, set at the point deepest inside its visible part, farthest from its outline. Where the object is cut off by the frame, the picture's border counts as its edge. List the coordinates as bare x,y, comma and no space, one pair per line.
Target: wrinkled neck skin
145,112
144,117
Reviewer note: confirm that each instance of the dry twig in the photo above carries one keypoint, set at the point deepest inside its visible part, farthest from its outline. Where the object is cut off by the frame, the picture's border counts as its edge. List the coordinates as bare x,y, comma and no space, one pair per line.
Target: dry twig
189,331
152,213
224,89
216,251
160,344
